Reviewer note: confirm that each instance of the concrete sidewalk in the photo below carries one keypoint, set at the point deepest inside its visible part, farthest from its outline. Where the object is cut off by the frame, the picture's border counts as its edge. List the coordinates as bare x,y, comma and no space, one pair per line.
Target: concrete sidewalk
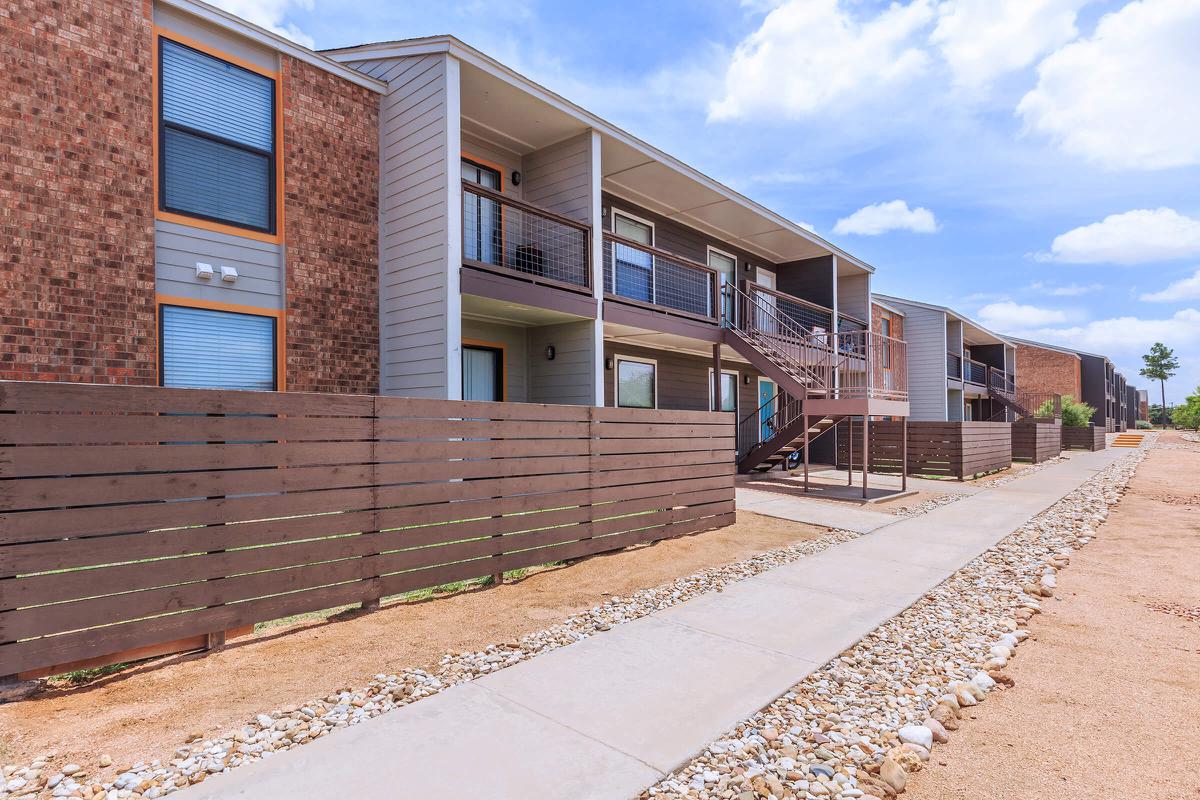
815,512
610,715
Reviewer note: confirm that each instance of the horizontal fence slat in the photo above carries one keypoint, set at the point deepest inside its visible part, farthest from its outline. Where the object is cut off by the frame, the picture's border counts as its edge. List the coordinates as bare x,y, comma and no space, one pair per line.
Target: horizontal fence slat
136,517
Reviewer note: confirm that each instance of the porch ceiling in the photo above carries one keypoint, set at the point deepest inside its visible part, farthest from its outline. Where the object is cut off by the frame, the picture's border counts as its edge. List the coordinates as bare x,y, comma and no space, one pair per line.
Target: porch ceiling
639,337
509,116
634,176
487,308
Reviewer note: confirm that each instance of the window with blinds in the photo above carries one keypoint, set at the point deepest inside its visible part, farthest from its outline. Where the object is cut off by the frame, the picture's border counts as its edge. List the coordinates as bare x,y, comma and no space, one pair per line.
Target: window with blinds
216,139
203,349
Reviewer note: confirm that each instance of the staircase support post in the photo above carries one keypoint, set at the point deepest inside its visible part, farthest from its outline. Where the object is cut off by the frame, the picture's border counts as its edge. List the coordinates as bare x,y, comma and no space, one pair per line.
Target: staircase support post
866,456
806,452
716,386
849,451
904,454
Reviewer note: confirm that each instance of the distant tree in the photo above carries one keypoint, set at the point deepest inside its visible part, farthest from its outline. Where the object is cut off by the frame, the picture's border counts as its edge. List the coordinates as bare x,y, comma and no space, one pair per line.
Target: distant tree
1161,364
1188,414
1074,415
1156,414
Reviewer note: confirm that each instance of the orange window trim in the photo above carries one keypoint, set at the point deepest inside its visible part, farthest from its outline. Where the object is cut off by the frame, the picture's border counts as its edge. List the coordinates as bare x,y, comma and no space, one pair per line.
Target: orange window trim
183,219
483,162
279,315
503,348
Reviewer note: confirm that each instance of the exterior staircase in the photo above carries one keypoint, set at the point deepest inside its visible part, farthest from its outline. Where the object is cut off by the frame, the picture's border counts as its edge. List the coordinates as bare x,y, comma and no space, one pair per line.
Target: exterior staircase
1128,440
1003,390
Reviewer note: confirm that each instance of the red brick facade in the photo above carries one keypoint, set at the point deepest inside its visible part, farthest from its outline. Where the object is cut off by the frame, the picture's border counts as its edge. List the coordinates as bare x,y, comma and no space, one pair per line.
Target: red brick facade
76,198
331,215
1044,371
878,312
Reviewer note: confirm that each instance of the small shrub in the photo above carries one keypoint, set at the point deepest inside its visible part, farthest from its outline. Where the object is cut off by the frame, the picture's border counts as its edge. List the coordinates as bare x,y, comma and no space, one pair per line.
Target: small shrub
1143,425
1074,414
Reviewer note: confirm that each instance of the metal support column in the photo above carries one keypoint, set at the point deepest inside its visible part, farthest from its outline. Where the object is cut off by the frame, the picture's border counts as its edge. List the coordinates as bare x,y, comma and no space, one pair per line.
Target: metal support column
805,417
716,388
849,451
866,453
904,454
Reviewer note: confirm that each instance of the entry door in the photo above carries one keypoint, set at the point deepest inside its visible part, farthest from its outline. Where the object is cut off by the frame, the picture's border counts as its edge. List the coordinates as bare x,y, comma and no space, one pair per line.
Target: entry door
482,238
726,267
482,373
766,401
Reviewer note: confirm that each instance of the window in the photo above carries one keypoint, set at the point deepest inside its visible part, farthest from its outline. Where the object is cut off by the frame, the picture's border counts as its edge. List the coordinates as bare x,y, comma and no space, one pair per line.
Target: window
634,268
729,389
483,230
203,349
885,328
482,373
726,267
636,384
216,145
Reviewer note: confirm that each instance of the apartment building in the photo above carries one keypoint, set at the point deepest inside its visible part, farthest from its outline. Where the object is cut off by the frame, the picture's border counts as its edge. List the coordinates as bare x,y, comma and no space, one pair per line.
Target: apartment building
410,218
1088,377
957,369
177,206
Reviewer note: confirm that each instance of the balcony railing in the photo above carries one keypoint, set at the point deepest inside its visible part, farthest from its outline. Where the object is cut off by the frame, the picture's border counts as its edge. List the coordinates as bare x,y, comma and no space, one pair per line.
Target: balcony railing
807,316
646,276
954,366
975,372
505,235
849,364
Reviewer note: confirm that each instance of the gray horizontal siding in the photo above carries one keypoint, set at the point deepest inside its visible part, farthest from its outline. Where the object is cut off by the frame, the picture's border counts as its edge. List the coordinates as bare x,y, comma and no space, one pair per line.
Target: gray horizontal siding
414,235
559,177
178,248
925,334
570,378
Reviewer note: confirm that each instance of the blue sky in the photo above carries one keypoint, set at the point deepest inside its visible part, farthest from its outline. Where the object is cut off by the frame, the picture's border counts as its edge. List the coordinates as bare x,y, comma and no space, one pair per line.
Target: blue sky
1032,163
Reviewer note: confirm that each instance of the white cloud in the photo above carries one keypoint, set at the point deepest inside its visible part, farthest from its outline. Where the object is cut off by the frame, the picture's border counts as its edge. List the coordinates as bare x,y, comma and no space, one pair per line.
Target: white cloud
1185,289
880,218
984,39
1129,96
1069,290
272,15
1135,237
1125,339
810,54
1007,315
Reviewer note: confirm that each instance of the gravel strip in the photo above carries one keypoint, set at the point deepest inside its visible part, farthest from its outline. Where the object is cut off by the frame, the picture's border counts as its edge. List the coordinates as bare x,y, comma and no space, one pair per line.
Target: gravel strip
284,728
860,725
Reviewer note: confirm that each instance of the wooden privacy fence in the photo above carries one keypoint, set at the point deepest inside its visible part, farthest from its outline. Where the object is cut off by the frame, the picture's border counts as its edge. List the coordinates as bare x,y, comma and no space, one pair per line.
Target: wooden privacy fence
149,520
944,449
1036,441
1085,438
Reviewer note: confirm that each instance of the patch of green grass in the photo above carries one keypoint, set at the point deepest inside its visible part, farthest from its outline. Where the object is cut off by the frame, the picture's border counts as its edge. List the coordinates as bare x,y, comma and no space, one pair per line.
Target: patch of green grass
81,676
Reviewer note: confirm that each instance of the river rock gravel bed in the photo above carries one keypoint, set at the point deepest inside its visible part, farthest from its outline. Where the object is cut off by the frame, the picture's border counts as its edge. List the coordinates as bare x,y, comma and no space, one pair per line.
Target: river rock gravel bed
857,727
281,729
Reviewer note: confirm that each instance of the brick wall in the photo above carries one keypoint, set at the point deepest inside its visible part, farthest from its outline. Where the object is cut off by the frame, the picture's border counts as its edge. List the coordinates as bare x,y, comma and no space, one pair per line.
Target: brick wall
1048,371
331,164
76,200
877,314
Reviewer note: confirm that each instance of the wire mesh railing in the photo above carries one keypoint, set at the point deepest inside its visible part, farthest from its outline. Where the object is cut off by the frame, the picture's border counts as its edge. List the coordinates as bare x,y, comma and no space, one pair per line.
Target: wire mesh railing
649,276
505,234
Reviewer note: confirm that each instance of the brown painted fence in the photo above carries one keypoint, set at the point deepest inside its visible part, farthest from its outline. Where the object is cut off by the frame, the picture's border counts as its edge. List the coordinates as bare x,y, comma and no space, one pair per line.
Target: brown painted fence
1036,441
943,449
147,520
1085,438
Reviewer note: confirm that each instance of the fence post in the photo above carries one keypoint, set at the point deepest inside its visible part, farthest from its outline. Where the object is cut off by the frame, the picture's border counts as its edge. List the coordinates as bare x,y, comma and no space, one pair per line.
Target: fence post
373,590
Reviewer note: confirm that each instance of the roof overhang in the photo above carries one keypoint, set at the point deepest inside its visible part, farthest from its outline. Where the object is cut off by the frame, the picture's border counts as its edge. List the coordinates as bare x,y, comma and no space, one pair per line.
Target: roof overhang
633,169
235,24
981,335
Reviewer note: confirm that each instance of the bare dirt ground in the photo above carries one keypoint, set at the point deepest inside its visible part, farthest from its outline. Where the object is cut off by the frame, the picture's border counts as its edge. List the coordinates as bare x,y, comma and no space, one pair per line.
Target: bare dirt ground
1107,696
148,710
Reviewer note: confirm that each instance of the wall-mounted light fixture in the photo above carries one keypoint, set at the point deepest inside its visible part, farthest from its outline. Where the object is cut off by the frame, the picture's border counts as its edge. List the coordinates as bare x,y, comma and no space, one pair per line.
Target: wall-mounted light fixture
748,267
549,352
203,271
515,178
746,380
608,363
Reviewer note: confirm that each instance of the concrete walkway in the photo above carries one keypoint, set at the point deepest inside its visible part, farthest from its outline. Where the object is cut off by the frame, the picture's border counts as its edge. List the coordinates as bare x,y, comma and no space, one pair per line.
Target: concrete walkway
609,716
815,512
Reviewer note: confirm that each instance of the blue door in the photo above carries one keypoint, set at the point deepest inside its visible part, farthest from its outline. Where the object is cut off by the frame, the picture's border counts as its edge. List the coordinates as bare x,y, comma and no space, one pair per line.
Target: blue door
766,404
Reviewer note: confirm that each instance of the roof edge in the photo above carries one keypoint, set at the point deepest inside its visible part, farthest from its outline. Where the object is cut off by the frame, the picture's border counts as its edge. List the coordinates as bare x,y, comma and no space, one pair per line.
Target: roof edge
455,47
236,24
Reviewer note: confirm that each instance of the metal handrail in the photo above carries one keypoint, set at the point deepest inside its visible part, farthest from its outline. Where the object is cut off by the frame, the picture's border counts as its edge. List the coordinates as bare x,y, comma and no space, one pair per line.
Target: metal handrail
787,409
524,240
675,283
954,366
973,369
